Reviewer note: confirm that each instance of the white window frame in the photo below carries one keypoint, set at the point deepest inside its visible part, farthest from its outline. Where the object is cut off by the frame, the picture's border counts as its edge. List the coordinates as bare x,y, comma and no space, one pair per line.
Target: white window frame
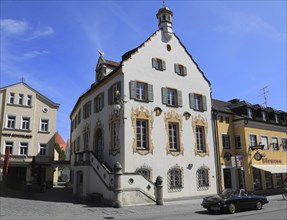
25,122
20,99
226,140
275,143
29,100
8,144
251,142
173,136
276,118
22,146
171,97
12,98
142,134
141,91
200,139
45,123
264,116
249,113
198,102
9,121
44,147
266,143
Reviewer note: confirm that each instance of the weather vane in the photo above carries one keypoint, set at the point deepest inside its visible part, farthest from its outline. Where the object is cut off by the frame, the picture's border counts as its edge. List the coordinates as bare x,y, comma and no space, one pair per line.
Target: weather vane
163,3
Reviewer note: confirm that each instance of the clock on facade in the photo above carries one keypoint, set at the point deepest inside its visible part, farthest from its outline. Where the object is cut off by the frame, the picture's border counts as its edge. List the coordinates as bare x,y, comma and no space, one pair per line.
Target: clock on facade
257,156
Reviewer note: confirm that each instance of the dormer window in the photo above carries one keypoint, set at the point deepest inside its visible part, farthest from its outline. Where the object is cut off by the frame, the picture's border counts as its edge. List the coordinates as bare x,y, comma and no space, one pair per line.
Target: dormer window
249,113
264,116
276,118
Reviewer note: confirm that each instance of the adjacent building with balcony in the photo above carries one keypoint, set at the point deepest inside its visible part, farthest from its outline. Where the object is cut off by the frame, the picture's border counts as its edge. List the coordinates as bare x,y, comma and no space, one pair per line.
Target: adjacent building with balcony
27,128
252,146
145,119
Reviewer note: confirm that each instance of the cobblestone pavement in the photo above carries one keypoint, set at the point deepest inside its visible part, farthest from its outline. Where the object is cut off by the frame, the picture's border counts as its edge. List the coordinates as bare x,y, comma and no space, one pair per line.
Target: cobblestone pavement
58,203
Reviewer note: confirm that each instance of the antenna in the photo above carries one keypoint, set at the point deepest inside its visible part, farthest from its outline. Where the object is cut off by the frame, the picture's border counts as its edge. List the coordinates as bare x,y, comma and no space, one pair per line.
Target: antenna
265,91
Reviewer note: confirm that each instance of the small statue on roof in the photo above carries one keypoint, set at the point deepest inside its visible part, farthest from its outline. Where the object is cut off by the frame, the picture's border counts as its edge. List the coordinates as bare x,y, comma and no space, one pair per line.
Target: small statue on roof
101,53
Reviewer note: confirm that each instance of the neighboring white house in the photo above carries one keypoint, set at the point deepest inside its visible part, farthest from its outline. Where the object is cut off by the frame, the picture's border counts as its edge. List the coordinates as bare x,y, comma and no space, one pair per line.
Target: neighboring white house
151,113
27,128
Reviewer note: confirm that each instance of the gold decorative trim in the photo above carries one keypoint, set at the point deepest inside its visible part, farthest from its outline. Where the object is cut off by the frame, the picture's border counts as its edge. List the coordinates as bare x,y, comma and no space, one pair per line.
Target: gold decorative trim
200,121
144,114
98,126
114,118
174,117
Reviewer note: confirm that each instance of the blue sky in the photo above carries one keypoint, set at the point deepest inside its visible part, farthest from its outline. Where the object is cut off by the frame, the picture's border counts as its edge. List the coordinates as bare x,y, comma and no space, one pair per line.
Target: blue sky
239,45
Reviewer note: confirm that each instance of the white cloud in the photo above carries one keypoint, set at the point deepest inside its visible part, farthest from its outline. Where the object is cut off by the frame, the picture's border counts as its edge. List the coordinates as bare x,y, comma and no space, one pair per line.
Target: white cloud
11,27
34,53
244,23
16,27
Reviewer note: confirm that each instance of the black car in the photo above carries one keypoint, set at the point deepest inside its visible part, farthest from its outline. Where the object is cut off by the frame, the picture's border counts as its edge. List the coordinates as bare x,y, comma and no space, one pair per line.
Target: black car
233,200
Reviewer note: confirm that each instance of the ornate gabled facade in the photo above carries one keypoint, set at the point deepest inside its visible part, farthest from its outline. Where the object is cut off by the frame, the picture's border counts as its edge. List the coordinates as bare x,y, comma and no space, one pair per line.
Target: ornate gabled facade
251,143
150,115
27,129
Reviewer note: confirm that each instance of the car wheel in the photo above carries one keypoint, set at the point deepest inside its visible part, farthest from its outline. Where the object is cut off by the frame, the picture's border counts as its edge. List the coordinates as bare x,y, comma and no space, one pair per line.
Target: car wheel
258,205
232,208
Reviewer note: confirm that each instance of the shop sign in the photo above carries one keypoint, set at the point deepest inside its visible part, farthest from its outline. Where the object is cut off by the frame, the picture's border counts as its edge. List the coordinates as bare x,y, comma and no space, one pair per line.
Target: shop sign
271,161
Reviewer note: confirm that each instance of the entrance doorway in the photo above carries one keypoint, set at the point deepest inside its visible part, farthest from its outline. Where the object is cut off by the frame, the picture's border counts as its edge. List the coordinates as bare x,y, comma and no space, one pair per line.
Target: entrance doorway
227,178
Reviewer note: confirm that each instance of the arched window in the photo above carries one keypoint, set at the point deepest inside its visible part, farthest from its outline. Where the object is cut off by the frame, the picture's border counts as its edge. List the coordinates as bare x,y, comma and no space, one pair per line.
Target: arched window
175,179
202,178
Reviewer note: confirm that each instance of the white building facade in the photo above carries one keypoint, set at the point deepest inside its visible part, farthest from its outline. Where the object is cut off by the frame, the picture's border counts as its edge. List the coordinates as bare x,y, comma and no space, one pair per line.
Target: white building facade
27,128
150,113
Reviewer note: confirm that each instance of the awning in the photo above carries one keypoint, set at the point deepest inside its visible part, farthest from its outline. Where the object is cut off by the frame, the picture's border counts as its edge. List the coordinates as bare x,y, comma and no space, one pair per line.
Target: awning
272,168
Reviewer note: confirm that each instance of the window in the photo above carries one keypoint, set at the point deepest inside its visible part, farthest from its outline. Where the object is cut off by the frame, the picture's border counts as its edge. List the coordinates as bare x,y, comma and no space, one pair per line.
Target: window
276,118
79,115
180,69
268,180
279,180
87,110
86,139
264,118
145,173
114,92
141,91
25,123
198,102
173,136
257,183
43,149
252,140
227,120
23,148
175,178
284,143
264,141
275,143
29,100
99,102
8,144
44,125
249,113
11,121
237,142
78,143
202,178
20,99
114,135
225,141
142,134
11,98
158,64
200,139
171,97
220,118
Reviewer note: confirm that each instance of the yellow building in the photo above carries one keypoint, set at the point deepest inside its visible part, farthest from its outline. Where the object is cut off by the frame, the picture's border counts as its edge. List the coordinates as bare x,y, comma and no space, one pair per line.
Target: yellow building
251,143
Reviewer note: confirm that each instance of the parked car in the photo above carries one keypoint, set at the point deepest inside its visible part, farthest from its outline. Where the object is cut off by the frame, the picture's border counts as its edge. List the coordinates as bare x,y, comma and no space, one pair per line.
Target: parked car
233,200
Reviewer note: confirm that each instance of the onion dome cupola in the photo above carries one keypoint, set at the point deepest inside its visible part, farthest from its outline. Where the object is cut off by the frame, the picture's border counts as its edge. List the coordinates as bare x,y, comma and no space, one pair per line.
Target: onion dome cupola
164,16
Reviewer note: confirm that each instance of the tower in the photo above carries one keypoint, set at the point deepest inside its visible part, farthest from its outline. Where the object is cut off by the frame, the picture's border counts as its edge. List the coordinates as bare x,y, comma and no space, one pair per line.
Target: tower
164,16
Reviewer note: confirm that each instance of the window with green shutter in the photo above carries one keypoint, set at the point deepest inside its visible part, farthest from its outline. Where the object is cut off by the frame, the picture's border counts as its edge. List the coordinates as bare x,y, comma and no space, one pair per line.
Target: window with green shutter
180,69
171,97
197,102
141,91
158,64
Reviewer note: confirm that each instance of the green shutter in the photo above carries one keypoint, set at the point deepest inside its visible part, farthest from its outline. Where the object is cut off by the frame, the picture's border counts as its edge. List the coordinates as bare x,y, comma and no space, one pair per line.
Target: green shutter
163,65
191,100
204,104
164,95
184,71
133,85
176,68
150,92
103,99
154,63
179,98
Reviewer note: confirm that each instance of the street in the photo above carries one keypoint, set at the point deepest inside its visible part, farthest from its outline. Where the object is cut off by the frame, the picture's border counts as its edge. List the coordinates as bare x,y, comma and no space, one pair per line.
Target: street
58,203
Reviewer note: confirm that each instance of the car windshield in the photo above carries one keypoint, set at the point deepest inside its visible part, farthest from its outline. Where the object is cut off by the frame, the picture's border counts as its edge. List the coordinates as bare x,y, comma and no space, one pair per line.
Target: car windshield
228,193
